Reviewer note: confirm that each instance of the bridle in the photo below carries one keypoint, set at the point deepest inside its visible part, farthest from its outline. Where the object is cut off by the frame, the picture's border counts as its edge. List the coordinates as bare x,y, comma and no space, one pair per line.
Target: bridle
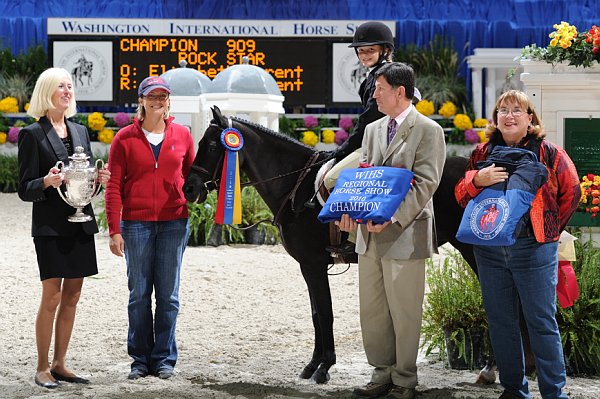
213,180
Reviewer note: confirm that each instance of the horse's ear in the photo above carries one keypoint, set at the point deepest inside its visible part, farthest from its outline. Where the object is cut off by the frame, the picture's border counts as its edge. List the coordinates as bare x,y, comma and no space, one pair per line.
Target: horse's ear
218,117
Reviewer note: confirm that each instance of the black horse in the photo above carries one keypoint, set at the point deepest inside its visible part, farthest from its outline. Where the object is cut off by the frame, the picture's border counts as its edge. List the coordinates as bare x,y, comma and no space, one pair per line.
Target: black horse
283,171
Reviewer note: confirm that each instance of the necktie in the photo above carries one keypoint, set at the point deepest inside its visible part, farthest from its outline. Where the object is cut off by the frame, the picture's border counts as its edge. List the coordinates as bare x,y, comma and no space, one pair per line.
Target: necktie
391,130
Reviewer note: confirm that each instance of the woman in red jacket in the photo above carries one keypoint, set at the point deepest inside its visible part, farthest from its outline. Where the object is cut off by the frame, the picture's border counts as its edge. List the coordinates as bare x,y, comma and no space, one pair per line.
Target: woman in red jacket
148,222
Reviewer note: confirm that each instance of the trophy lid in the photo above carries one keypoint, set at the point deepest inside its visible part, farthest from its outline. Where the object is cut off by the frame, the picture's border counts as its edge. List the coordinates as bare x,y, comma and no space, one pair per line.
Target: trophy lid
79,157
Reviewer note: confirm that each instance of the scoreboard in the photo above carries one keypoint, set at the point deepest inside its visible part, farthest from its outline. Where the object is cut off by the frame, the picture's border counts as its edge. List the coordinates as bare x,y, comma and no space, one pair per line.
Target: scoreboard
298,66
107,58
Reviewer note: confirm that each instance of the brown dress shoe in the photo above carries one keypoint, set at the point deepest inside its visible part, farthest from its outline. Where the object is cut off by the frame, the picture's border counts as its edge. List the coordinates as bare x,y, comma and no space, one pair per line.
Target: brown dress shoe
372,390
398,392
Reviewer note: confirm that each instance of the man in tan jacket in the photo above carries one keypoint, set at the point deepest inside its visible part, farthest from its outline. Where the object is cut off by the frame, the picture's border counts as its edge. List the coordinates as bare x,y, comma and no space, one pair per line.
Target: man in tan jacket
392,255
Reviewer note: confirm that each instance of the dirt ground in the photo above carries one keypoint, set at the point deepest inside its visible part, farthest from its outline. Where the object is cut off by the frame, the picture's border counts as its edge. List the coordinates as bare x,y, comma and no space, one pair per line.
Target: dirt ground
244,329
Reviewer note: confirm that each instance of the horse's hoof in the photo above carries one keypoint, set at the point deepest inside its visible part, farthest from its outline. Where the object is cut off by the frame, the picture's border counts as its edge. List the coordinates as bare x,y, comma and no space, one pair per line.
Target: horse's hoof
486,377
320,377
308,371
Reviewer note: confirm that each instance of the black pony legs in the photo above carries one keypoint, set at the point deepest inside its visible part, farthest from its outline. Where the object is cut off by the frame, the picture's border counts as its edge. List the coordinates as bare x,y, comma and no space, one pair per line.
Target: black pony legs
322,316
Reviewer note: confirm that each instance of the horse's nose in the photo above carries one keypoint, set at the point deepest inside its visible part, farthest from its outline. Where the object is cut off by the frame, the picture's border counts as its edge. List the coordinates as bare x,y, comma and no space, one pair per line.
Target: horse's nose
188,192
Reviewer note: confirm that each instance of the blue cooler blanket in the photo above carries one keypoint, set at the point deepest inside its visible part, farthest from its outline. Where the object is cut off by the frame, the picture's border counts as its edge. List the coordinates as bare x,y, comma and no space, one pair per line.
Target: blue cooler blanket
494,216
364,194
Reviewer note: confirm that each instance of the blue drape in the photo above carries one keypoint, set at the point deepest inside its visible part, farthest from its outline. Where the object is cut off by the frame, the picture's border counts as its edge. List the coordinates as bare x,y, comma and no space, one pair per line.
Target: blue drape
470,24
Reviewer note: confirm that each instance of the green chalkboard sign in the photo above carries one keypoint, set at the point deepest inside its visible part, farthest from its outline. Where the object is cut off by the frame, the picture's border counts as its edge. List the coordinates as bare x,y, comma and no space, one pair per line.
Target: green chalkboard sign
582,143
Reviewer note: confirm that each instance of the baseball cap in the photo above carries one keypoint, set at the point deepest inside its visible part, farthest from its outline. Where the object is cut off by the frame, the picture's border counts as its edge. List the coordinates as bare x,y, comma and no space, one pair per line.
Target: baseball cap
151,83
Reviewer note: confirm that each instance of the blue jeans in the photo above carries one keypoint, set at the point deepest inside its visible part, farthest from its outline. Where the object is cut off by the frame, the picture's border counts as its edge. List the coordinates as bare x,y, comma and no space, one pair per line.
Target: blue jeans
527,271
154,253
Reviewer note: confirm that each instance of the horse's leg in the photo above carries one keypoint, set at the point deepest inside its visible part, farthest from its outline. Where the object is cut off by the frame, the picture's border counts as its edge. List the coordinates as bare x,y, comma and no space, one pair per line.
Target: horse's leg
322,315
487,375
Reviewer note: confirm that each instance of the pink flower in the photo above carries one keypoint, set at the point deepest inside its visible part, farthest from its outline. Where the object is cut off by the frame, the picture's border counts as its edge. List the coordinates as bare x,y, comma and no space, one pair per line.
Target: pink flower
310,122
122,119
13,134
471,136
341,136
345,123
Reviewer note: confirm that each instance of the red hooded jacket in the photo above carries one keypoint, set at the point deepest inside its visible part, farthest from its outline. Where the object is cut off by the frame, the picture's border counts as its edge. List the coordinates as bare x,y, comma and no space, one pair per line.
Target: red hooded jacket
142,188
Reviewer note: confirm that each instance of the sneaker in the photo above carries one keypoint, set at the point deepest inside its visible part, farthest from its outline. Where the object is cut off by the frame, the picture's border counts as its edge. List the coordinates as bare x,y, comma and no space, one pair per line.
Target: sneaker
398,392
372,390
165,374
134,374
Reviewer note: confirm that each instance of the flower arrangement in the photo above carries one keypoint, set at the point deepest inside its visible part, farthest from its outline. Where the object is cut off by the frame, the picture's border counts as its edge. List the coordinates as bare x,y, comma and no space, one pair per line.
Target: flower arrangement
310,122
328,136
341,136
480,123
9,105
447,110
310,138
13,134
122,119
462,122
590,194
346,123
471,136
568,45
425,107
106,136
96,121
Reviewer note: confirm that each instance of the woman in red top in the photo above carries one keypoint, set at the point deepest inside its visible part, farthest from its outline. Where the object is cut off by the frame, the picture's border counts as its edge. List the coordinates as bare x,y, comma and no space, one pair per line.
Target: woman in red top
148,223
527,270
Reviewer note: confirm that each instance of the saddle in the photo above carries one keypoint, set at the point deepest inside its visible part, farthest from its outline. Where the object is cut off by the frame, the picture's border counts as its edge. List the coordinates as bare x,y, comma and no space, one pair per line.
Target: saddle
340,249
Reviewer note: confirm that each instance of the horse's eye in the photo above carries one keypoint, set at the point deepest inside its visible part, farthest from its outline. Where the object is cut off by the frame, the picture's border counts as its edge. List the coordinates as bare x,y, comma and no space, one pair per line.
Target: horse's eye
212,146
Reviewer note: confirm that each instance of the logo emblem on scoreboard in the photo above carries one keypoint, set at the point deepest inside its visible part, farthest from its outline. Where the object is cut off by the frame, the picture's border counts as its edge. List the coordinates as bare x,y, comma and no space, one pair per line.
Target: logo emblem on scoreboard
88,68
352,73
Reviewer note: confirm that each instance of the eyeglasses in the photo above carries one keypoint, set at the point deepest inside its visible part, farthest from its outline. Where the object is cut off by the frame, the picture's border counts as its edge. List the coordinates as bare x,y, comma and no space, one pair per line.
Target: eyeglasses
157,97
517,112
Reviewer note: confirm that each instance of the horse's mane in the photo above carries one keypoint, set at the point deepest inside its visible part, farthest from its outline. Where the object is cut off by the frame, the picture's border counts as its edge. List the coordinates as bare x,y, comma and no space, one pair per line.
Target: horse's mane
271,132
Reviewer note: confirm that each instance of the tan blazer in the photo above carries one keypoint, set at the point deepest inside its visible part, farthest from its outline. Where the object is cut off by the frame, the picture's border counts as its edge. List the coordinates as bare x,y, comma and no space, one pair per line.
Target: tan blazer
418,146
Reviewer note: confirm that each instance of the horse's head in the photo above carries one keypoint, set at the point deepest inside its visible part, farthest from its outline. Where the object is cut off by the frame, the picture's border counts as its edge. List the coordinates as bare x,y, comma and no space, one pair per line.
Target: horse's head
204,175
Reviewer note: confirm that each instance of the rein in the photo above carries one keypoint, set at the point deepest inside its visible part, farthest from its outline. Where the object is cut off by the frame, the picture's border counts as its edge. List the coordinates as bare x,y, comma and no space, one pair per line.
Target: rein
213,184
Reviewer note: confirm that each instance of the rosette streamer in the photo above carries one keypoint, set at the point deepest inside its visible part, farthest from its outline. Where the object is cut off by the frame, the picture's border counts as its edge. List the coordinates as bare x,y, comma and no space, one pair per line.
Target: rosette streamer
229,204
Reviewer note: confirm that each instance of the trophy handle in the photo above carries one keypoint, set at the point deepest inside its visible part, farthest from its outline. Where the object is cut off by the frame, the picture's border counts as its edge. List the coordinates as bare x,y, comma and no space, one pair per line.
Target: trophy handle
59,165
98,186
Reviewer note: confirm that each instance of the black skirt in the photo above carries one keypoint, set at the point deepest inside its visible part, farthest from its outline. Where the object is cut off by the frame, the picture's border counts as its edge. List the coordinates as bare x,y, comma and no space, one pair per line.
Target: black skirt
66,257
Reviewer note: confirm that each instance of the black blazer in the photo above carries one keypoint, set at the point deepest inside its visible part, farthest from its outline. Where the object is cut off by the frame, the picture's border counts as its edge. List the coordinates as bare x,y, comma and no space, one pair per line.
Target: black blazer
39,150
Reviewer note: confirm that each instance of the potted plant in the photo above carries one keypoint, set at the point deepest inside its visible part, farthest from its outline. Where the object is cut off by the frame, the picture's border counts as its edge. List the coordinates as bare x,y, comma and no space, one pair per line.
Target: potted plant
257,219
579,324
204,230
454,320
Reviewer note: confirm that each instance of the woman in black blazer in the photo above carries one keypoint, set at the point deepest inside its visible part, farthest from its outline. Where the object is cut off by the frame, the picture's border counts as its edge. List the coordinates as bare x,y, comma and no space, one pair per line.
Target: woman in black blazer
65,251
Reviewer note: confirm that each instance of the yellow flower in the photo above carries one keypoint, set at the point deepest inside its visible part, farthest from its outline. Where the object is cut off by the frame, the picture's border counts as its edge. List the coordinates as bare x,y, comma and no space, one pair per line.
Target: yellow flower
425,107
26,106
564,35
480,122
9,105
3,137
106,136
328,136
310,138
463,122
482,136
96,121
447,110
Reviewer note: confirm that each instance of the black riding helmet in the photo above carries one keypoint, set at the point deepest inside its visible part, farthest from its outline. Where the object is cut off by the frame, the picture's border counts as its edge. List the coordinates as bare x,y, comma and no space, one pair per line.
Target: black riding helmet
372,33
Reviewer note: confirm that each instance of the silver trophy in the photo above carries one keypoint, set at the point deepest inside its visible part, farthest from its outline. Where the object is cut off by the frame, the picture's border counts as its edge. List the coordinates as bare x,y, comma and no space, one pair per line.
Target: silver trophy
80,180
